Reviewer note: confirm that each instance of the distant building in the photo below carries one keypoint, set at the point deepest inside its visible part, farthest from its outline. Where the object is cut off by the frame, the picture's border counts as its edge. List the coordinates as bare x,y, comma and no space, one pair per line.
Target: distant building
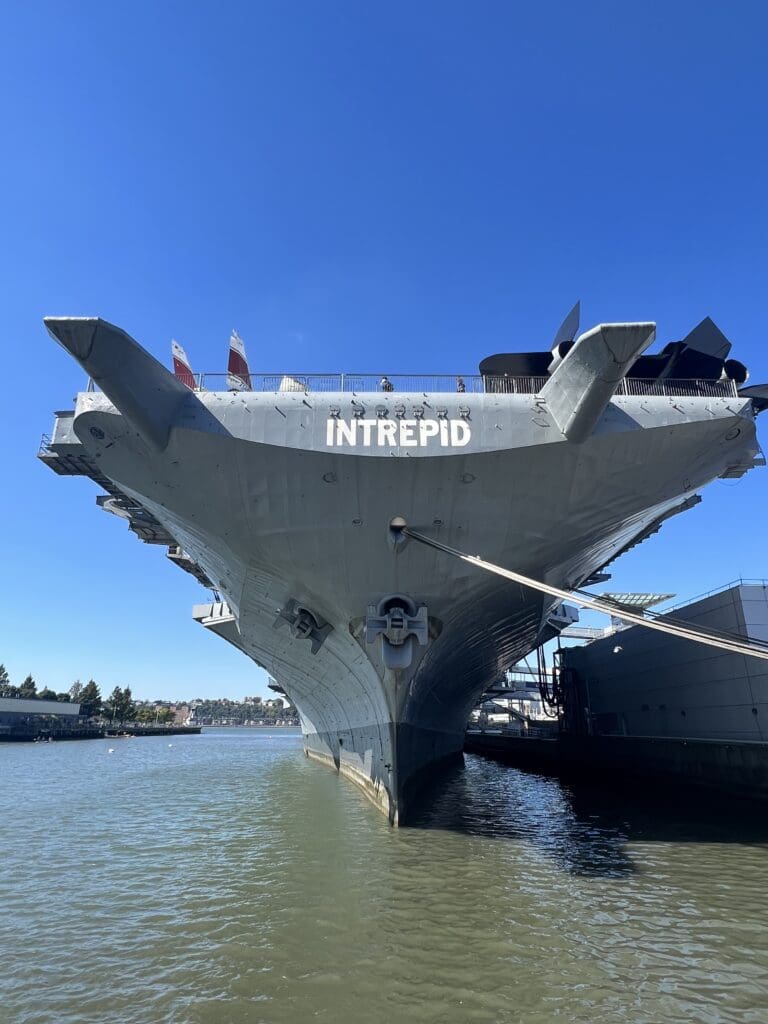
19,715
181,713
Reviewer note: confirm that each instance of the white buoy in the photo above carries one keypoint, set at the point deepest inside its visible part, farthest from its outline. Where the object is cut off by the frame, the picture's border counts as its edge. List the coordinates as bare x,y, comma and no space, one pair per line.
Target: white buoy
170,744
111,750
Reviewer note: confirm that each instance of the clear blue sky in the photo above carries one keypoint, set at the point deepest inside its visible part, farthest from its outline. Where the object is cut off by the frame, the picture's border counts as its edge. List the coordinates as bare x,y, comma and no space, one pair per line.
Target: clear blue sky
404,186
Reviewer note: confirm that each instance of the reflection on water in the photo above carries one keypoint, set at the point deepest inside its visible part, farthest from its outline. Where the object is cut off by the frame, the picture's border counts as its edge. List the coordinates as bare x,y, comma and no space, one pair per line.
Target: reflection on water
225,878
582,828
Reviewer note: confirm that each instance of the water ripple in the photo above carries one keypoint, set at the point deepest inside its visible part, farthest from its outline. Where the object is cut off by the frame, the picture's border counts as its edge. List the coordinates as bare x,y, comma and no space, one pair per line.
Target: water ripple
228,879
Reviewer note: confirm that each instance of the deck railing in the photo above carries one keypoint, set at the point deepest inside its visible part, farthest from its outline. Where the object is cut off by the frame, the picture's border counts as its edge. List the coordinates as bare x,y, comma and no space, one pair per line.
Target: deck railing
672,387
360,383
471,384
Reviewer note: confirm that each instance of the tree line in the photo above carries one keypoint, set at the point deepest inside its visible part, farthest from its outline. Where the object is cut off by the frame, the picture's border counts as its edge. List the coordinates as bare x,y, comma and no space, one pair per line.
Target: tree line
28,689
118,707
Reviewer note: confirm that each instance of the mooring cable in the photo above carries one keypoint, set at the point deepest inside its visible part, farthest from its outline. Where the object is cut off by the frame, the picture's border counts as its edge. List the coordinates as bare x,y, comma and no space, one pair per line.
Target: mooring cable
717,634
711,638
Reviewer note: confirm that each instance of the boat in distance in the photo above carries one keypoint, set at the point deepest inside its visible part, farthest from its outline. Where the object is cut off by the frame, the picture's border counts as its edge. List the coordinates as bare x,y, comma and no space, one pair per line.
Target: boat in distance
286,495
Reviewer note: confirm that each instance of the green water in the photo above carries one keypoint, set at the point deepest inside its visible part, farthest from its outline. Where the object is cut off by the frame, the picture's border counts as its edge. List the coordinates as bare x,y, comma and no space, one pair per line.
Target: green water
225,878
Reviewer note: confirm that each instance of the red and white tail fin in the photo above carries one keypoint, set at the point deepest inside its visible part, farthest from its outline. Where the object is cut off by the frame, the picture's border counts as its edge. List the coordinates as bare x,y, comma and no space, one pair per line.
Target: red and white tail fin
238,374
181,367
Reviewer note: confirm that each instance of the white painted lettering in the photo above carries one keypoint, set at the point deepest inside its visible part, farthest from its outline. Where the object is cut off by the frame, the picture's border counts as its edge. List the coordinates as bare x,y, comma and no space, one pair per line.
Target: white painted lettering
427,429
387,433
407,431
460,433
346,432
382,432
367,426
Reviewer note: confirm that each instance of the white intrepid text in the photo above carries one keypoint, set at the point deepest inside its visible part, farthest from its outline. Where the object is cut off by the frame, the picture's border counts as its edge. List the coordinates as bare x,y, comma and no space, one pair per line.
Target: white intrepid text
400,433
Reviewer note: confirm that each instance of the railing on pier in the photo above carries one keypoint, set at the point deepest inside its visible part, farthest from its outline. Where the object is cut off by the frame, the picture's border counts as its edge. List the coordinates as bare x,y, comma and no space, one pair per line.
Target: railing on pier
667,609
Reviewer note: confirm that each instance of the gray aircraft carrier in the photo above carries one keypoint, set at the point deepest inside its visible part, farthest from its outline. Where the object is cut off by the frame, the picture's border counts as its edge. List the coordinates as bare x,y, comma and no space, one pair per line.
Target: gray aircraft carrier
287,500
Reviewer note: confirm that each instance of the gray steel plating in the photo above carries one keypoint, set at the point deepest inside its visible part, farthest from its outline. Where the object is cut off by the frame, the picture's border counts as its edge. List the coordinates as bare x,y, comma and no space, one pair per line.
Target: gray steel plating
285,501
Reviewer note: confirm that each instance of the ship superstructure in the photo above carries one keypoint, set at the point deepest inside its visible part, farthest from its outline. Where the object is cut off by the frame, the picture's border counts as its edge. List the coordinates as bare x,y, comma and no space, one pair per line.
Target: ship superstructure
286,498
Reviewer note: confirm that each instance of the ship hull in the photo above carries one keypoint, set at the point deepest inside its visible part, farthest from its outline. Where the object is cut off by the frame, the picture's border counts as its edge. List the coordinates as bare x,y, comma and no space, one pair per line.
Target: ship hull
419,754
283,520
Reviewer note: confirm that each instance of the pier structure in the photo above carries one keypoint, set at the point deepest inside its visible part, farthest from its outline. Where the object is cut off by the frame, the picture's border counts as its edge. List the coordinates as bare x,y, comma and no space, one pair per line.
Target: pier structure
21,718
648,707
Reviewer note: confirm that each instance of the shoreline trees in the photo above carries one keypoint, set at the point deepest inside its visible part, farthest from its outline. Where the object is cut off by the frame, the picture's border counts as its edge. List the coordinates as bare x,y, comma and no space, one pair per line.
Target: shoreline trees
119,707
89,698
